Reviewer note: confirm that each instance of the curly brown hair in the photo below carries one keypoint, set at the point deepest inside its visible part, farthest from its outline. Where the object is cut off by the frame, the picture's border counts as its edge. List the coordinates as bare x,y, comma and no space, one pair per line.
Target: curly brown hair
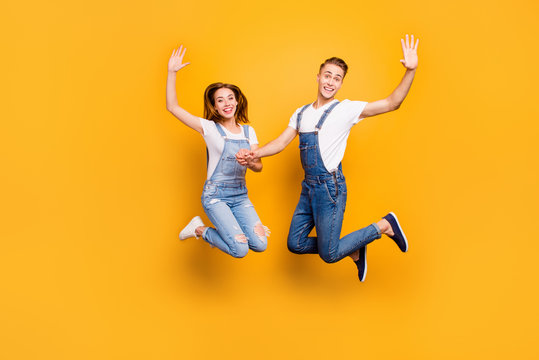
211,113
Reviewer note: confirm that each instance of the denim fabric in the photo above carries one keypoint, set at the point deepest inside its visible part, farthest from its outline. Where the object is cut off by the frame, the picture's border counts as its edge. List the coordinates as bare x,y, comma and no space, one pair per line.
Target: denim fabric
322,204
228,170
227,205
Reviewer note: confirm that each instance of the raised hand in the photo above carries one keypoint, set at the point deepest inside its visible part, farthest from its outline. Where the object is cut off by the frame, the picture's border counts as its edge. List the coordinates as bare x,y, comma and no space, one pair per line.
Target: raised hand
175,62
409,52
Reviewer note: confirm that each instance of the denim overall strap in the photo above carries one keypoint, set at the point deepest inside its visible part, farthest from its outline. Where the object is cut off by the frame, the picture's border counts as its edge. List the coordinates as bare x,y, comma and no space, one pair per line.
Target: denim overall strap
311,158
300,114
223,134
228,170
325,115
220,129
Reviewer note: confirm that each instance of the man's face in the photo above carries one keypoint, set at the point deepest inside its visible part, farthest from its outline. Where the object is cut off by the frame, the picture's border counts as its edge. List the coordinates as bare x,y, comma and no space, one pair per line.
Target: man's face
330,80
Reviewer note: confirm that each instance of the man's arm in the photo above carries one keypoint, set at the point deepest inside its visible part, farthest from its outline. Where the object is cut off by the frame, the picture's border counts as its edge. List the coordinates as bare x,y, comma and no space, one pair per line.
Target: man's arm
277,145
394,101
271,148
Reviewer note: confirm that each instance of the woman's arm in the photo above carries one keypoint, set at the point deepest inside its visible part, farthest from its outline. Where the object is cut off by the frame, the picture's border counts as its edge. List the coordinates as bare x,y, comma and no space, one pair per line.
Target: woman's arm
175,63
277,145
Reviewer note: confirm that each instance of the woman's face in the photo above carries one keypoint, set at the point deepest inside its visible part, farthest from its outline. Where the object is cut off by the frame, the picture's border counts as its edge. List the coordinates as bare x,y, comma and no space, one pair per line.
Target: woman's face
225,103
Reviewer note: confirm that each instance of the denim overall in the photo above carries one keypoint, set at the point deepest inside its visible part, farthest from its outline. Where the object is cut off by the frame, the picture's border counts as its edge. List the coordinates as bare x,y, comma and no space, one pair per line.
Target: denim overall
227,205
322,203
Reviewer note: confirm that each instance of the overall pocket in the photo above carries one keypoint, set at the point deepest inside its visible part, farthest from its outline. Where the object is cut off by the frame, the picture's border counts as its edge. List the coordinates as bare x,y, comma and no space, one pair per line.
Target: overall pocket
231,167
308,156
332,191
336,191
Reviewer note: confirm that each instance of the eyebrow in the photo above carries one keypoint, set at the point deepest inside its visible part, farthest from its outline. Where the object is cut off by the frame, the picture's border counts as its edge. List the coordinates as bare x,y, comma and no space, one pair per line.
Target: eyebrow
222,97
330,73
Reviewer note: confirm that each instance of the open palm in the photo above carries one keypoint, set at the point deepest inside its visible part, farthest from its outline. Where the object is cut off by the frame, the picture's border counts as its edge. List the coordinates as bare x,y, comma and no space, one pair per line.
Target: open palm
175,62
409,52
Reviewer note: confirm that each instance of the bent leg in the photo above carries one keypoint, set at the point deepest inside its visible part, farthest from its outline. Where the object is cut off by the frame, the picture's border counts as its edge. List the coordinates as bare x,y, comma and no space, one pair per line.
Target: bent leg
329,207
250,223
228,235
302,223
328,217
358,239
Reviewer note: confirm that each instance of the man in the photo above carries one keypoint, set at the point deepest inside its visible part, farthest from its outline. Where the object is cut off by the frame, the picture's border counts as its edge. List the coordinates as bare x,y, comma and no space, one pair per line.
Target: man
323,128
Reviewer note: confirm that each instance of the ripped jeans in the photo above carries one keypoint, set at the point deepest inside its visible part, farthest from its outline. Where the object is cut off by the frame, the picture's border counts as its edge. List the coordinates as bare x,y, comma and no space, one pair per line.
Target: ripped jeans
229,209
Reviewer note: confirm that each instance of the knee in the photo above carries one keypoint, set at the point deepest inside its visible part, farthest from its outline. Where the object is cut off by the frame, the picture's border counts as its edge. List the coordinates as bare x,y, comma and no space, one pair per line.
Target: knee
260,242
240,251
294,247
259,246
240,248
327,257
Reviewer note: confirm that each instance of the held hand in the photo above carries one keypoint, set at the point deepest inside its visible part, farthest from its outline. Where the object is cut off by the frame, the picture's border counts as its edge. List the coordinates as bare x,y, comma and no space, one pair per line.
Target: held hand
241,157
251,157
175,62
245,157
409,52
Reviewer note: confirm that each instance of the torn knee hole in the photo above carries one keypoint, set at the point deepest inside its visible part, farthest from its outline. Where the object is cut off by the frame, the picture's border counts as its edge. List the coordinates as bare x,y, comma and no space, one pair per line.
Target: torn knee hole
261,230
241,238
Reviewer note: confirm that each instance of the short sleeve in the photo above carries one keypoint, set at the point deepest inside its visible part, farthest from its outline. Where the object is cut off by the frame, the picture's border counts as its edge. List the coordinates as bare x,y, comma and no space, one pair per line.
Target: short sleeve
293,123
253,140
355,108
206,126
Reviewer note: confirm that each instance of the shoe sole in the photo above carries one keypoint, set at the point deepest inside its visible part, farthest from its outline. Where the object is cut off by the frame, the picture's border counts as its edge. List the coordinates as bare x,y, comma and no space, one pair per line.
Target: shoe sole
400,231
364,272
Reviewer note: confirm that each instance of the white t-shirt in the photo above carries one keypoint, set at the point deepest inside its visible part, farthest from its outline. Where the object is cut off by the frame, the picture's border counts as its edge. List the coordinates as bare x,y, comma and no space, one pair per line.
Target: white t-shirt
216,143
334,133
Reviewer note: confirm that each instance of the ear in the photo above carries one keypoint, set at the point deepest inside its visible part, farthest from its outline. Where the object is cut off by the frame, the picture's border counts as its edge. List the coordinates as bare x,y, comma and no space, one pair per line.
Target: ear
318,77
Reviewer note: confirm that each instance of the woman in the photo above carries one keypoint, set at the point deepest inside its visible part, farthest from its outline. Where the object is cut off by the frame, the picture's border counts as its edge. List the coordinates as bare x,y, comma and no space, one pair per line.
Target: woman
225,200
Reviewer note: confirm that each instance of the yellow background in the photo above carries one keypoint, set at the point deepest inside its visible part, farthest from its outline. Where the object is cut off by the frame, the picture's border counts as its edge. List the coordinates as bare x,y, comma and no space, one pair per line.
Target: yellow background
98,179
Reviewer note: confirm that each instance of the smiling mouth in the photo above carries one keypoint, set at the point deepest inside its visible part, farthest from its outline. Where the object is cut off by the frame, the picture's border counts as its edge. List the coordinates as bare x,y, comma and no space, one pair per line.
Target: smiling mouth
328,89
228,110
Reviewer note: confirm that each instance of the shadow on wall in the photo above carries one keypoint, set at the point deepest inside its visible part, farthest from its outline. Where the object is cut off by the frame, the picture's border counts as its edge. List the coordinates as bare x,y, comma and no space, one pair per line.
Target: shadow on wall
206,265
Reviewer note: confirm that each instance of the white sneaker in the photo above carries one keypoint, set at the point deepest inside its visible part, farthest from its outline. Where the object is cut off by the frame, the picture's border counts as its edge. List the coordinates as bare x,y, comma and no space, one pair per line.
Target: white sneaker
189,230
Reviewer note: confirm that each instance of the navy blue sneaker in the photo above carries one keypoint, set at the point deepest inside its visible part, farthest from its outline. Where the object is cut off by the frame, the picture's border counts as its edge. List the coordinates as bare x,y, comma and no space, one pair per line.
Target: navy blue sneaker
398,237
361,264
